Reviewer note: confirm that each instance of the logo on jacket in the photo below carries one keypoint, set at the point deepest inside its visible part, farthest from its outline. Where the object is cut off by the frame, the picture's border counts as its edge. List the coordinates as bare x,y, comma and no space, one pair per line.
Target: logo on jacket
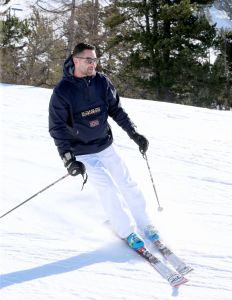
94,123
90,112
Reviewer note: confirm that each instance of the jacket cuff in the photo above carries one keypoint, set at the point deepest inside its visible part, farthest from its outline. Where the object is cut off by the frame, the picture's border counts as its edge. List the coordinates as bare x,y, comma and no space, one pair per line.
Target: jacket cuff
67,158
131,133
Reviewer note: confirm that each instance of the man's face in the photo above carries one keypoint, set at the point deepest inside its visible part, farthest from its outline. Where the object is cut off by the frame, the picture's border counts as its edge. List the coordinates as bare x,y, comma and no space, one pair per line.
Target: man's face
85,63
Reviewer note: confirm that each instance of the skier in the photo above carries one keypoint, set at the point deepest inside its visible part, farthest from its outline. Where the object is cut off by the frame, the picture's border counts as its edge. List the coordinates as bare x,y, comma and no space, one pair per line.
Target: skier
78,112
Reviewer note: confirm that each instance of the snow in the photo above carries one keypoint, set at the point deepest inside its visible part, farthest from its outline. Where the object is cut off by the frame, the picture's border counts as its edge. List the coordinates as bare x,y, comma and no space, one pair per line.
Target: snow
58,245
221,18
23,10
19,8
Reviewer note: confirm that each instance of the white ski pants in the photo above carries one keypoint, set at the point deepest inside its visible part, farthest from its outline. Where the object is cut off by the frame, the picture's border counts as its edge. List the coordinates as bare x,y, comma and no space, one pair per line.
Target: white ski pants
122,200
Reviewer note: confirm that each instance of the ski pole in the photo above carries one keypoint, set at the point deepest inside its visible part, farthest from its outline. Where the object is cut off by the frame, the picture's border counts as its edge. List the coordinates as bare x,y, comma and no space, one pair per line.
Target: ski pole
33,196
160,208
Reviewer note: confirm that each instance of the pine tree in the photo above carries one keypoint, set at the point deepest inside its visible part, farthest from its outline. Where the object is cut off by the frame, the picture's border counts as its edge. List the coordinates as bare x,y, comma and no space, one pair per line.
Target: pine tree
168,43
80,20
222,71
14,40
42,64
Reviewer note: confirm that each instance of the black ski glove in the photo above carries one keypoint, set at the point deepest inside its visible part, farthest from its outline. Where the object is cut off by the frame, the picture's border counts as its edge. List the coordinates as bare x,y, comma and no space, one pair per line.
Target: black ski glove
73,166
140,140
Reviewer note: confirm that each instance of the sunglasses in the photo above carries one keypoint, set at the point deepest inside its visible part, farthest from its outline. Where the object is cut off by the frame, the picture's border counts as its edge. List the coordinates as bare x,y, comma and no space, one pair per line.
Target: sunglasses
89,60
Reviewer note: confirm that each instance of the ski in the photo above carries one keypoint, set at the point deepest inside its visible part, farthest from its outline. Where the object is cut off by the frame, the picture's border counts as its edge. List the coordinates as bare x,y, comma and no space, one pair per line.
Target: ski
180,266
174,279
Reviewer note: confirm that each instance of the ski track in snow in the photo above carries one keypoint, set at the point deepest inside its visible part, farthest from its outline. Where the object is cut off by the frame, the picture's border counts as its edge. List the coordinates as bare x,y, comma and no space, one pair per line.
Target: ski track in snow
58,246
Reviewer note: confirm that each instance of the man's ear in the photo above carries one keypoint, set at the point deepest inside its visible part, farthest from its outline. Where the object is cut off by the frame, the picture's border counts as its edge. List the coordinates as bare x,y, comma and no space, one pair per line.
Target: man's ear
74,59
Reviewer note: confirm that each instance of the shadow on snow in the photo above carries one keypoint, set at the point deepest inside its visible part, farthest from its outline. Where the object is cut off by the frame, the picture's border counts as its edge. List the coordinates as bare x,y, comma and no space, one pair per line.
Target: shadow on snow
68,265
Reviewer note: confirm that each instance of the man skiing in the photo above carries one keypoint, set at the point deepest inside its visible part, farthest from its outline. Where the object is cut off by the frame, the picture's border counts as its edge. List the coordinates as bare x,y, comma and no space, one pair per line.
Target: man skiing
78,112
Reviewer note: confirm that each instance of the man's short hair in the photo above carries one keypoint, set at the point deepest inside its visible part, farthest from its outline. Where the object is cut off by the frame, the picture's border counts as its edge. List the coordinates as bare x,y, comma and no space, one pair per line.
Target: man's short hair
81,47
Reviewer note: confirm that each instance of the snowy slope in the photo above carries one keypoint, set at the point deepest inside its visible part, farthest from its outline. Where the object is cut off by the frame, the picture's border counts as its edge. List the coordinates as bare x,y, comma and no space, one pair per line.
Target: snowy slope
58,246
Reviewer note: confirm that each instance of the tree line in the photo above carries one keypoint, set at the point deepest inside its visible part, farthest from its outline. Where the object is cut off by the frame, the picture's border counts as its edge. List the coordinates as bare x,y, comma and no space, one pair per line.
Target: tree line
151,49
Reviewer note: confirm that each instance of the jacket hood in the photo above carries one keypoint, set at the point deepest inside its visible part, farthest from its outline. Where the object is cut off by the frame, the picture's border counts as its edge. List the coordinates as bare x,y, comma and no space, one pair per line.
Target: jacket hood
68,68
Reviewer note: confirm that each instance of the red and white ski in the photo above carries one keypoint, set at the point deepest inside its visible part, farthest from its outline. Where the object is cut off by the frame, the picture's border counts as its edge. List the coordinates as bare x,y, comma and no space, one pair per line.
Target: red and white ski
179,265
174,279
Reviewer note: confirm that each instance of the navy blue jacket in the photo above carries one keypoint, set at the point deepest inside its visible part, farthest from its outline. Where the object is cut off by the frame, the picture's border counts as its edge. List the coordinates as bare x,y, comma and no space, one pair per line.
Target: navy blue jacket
78,113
